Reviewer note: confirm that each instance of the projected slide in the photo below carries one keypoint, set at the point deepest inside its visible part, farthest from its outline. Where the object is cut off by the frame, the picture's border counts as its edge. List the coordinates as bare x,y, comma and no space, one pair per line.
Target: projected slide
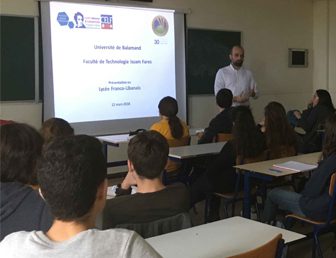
110,62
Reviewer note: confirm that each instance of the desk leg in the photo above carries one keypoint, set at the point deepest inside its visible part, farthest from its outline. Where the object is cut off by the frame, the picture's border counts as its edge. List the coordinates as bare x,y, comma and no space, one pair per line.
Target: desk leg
247,201
105,151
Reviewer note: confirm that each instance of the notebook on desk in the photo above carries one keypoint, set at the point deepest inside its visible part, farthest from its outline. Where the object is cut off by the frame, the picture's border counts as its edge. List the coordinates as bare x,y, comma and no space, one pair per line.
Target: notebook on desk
295,166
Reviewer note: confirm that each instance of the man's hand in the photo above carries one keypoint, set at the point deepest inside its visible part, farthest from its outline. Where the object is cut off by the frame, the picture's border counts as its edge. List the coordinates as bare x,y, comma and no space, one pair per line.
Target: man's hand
240,99
128,181
199,135
253,93
297,114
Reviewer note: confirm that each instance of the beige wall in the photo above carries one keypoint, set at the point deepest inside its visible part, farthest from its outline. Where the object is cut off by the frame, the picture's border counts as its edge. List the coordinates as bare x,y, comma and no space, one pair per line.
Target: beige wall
324,42
269,28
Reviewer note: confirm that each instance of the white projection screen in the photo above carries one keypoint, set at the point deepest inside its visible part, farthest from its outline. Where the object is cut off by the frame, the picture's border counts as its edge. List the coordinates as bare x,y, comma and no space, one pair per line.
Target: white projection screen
106,67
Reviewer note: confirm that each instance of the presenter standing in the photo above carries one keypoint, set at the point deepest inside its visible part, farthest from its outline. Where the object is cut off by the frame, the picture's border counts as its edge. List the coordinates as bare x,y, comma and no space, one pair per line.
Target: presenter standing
237,79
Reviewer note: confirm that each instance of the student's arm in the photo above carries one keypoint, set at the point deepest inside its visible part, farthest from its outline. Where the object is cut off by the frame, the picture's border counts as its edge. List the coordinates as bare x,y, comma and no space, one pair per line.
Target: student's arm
219,82
138,247
308,119
125,187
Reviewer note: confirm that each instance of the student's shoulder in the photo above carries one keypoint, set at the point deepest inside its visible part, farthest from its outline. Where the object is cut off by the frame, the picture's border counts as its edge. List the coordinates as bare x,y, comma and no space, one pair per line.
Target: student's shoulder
162,124
177,189
11,243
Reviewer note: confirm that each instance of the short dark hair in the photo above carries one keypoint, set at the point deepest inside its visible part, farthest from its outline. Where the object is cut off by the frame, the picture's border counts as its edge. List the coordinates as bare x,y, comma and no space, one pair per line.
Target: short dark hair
20,147
69,173
236,46
224,98
55,127
148,151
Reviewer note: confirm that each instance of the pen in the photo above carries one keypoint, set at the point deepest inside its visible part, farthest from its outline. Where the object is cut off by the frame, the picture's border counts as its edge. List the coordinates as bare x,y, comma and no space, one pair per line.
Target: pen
275,170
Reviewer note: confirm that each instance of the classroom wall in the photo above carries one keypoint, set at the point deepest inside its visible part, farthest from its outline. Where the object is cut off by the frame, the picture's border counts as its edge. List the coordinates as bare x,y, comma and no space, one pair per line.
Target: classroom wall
324,42
269,28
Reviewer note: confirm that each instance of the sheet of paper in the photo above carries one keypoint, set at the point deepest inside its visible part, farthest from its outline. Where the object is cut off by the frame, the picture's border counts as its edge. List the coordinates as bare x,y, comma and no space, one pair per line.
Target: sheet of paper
295,166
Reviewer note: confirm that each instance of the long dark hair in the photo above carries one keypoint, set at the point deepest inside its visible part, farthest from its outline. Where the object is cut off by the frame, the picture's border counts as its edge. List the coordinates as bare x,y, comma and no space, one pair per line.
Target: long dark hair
329,144
168,107
278,130
325,99
248,140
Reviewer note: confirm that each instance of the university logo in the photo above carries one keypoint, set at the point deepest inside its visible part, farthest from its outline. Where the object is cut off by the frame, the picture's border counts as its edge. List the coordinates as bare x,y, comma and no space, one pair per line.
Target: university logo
160,25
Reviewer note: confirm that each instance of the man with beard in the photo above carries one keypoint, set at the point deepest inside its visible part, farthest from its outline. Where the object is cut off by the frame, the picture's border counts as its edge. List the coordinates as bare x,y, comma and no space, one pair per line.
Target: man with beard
237,79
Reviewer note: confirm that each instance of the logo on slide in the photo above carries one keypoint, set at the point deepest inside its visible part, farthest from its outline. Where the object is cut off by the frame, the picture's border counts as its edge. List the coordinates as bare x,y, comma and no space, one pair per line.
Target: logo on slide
160,25
106,21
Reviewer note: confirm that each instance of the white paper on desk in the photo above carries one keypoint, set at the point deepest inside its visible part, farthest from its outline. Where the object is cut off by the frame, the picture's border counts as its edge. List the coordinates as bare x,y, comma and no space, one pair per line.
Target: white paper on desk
111,191
295,166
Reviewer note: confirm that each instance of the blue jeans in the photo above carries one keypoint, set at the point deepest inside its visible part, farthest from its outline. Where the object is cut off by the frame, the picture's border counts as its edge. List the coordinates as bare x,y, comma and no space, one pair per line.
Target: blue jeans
282,199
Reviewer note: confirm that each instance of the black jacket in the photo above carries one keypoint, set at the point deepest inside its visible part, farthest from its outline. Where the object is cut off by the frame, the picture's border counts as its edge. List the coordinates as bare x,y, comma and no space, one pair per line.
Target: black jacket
311,120
315,196
222,123
22,209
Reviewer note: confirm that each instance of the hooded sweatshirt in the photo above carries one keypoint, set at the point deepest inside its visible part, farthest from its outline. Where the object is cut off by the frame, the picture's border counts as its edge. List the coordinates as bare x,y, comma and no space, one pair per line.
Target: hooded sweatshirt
22,208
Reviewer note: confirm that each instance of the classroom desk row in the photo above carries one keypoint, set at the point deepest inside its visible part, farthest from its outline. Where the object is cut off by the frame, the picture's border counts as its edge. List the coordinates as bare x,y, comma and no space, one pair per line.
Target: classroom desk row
259,170
179,153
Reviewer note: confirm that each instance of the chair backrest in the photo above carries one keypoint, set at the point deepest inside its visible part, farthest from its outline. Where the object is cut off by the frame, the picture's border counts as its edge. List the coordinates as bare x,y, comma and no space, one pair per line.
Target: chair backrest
160,226
261,157
268,250
332,184
332,193
282,152
179,142
223,137
173,165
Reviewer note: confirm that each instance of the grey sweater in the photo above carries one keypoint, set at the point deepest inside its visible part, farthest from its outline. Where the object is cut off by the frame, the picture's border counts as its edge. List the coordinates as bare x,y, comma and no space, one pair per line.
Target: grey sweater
89,243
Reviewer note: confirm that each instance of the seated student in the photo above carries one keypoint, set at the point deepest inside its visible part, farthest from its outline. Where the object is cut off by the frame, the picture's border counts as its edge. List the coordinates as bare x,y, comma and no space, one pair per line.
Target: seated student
313,201
311,119
72,177
280,136
171,127
222,123
147,157
55,127
248,145
22,208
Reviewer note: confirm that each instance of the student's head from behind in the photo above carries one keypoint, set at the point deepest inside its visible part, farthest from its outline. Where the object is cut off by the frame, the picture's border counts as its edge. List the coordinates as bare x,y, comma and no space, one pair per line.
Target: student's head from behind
237,56
55,127
275,116
224,98
71,174
20,147
277,128
168,107
148,154
322,97
248,141
329,146
79,19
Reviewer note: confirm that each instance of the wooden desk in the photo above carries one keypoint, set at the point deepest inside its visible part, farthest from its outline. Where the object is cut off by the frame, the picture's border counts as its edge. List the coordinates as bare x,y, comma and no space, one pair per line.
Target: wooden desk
192,151
261,171
218,239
